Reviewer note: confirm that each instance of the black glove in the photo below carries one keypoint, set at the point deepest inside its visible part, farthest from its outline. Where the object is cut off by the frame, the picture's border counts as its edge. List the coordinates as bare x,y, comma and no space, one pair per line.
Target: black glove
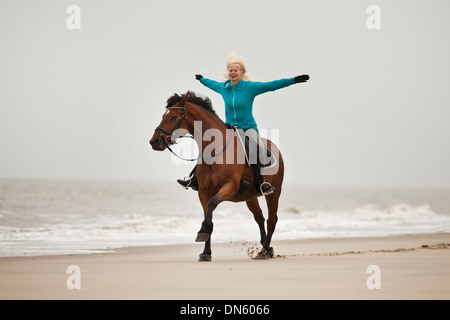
302,78
198,76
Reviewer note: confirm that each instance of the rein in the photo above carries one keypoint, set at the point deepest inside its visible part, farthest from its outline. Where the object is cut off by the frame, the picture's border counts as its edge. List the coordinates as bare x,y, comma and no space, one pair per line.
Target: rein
169,134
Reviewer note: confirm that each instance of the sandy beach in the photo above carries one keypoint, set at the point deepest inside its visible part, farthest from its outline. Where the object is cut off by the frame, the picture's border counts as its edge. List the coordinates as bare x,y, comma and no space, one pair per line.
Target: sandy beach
403,267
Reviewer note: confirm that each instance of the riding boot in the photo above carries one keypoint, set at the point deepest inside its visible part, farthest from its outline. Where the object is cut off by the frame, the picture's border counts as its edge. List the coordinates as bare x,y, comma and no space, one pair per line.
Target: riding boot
191,182
261,185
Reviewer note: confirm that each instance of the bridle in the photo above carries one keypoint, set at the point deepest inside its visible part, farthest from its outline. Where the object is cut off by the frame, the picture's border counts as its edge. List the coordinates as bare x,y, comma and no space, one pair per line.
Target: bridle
169,133
183,117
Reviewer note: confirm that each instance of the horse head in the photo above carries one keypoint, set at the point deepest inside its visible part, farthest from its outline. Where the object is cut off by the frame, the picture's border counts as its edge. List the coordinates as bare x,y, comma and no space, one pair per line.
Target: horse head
174,119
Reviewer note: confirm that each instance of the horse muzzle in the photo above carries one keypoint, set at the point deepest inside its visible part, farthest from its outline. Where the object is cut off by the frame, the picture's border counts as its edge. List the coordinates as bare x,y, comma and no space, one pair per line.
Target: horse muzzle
157,144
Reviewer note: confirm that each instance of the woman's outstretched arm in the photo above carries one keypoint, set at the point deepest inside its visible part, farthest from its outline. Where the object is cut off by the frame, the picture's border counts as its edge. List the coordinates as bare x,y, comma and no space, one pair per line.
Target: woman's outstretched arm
213,85
262,87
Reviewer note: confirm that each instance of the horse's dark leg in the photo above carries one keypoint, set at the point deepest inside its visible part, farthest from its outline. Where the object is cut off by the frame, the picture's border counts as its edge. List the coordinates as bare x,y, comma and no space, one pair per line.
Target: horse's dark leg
207,225
253,206
226,192
272,205
206,254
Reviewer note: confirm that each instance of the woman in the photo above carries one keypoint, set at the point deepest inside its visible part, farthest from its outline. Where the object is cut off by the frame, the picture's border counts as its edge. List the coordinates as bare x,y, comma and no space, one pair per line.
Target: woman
238,93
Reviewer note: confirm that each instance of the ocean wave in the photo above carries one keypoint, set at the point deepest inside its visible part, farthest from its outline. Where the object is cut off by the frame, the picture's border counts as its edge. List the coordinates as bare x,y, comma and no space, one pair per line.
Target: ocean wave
364,221
112,231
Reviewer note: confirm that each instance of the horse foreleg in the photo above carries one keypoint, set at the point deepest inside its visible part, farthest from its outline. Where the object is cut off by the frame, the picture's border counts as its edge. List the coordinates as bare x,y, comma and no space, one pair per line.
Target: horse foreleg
206,254
204,235
207,225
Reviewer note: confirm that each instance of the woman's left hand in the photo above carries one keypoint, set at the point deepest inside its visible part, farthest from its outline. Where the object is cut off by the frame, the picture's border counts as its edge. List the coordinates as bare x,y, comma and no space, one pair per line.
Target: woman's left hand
302,78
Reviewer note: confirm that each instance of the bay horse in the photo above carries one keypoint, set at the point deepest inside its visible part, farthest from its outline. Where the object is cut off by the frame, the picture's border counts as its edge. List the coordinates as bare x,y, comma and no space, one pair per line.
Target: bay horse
218,182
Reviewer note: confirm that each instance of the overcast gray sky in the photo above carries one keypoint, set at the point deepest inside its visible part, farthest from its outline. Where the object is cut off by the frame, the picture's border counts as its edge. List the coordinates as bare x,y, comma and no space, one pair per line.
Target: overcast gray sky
83,103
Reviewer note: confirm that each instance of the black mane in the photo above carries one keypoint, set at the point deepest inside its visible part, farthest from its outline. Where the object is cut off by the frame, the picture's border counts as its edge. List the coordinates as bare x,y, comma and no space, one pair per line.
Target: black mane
203,102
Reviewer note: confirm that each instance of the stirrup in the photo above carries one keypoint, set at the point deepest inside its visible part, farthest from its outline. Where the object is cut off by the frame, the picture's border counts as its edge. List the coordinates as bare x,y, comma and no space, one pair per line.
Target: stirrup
189,180
189,184
271,188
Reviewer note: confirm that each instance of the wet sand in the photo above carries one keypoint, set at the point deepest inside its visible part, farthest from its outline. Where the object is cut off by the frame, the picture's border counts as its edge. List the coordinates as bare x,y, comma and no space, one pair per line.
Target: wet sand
403,267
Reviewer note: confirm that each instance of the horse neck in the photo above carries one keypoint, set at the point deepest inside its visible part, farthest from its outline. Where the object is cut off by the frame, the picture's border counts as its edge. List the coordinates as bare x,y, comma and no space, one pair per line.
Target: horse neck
201,121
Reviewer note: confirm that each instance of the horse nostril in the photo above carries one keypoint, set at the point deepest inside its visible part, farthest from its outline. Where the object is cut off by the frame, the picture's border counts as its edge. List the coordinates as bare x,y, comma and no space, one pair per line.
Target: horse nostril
154,141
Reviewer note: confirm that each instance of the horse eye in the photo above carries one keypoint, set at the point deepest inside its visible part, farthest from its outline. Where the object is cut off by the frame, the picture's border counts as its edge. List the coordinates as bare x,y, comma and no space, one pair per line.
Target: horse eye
174,117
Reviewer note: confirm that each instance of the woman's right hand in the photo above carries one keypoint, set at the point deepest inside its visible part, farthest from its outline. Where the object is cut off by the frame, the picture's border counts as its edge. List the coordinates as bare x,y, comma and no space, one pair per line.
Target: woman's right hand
198,76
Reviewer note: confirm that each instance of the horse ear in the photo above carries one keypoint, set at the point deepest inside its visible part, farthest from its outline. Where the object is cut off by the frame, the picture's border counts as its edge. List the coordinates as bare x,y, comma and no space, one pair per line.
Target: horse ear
184,100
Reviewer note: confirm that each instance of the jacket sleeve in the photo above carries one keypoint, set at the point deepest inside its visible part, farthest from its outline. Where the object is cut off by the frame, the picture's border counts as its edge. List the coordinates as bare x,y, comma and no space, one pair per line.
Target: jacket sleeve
213,85
262,87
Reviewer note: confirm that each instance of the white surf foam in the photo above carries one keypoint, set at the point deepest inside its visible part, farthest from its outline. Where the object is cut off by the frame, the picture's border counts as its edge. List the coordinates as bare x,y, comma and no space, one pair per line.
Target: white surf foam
77,218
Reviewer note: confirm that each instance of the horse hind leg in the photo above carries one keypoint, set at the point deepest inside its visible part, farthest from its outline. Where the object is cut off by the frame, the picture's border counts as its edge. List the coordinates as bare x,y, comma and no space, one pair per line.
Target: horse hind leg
253,206
272,205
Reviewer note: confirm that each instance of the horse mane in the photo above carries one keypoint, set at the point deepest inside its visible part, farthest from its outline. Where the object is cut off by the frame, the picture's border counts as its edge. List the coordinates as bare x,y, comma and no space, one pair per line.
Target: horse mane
203,102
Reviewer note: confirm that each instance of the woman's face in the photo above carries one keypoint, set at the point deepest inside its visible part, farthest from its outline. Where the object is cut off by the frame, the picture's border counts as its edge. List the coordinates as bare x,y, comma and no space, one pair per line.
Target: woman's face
235,72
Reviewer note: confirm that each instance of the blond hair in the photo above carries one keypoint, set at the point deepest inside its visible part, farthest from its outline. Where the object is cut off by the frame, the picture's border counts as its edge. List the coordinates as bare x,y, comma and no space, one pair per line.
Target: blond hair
233,58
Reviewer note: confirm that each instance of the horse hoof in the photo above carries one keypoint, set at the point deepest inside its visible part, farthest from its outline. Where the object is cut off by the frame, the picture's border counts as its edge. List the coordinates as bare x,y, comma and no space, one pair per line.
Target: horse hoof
202,237
264,254
203,257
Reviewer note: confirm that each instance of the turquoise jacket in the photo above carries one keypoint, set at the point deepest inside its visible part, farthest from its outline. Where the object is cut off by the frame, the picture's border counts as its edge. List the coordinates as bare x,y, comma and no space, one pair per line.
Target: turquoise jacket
239,99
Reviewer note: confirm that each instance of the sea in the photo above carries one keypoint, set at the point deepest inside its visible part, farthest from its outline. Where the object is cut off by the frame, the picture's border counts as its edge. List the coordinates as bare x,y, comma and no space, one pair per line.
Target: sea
51,217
